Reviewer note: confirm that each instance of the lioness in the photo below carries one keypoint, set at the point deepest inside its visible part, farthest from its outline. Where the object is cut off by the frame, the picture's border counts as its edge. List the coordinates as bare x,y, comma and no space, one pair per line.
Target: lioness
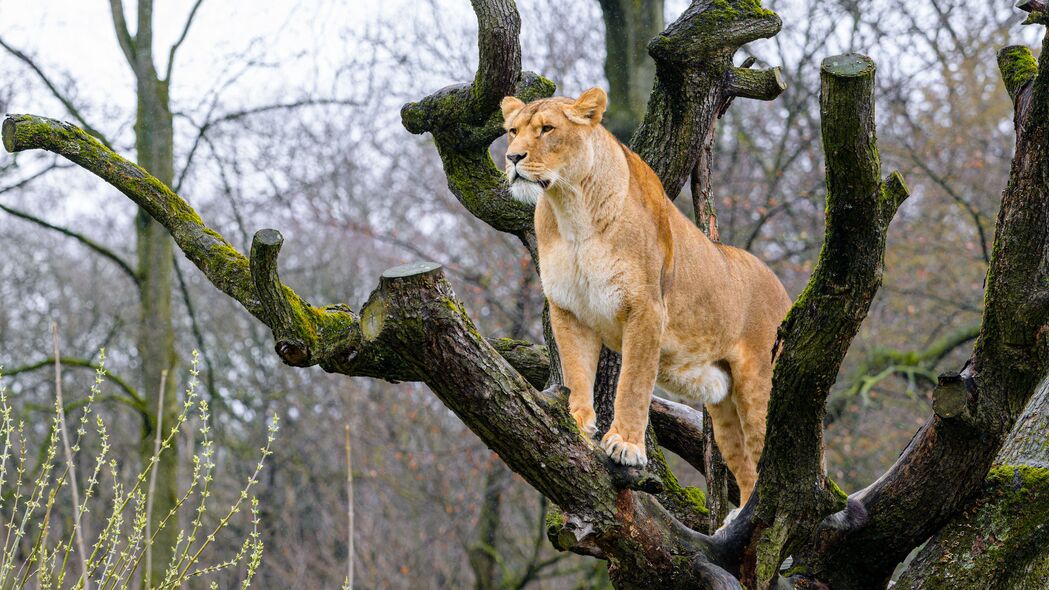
621,266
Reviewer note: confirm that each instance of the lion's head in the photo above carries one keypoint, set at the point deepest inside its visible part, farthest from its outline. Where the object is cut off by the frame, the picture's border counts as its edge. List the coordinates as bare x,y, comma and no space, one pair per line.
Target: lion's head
550,141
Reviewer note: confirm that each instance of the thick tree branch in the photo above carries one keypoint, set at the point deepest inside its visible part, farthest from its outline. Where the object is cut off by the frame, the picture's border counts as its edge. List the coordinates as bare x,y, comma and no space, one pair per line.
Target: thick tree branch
756,84
464,120
1001,535
290,328
1010,359
499,63
694,78
794,493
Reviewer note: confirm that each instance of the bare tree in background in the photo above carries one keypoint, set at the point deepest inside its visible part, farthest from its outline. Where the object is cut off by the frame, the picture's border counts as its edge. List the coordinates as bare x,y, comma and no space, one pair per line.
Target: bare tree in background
645,525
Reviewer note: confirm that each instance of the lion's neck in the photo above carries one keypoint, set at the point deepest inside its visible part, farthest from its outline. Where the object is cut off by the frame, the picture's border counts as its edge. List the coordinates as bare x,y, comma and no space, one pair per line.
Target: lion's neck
589,205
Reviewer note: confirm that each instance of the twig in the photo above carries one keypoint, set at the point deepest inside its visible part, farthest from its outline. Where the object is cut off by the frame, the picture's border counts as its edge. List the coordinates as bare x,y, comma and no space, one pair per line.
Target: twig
60,408
153,476
349,511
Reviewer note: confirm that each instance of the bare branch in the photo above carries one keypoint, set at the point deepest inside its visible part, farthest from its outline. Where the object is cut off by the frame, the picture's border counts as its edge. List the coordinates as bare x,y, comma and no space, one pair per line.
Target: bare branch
124,38
203,129
181,38
58,94
86,241
25,181
133,399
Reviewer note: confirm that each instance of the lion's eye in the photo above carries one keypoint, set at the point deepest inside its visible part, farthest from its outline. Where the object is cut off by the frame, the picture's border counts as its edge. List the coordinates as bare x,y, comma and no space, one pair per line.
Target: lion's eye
513,131
547,128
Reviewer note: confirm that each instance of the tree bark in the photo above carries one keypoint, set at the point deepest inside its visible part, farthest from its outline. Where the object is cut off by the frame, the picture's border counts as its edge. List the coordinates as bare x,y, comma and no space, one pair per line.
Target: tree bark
1001,535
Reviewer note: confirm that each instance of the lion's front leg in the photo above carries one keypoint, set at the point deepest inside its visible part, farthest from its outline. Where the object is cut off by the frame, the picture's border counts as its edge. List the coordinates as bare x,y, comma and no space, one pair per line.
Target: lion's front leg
625,440
579,348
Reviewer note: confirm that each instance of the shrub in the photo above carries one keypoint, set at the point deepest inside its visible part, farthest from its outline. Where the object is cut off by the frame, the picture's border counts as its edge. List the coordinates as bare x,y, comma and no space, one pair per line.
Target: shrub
40,550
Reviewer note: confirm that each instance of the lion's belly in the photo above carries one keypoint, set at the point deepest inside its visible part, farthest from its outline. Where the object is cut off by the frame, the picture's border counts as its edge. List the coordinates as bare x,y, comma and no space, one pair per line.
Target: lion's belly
580,277
690,369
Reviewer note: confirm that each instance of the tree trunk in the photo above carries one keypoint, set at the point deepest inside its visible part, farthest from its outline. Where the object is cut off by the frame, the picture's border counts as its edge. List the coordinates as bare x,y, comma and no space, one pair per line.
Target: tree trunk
629,25
484,554
154,144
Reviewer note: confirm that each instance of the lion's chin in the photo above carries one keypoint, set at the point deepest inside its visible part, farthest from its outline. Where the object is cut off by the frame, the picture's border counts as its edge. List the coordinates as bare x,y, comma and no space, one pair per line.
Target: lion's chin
525,191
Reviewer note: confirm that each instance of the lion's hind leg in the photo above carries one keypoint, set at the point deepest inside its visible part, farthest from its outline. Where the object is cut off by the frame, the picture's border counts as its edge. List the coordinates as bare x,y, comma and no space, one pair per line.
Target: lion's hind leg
729,436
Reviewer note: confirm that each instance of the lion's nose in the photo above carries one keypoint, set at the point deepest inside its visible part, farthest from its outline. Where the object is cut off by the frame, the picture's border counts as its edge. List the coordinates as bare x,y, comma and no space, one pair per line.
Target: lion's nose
515,158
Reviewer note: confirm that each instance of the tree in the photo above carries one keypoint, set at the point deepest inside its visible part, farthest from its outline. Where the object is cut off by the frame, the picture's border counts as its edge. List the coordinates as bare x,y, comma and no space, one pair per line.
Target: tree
153,270
649,528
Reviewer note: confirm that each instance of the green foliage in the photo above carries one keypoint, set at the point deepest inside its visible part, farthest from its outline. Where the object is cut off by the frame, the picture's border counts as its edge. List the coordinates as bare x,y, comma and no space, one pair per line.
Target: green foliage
40,547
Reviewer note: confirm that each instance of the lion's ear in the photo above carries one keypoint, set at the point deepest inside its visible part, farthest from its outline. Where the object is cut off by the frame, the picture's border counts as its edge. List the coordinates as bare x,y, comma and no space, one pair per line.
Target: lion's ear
510,106
588,108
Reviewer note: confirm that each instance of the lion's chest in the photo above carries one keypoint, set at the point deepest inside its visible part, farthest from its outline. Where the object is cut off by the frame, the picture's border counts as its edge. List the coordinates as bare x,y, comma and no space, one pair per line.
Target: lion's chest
581,277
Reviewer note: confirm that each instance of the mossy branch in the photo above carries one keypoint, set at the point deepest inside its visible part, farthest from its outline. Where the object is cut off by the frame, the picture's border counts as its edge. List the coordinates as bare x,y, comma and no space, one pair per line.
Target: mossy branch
1037,11
816,334
1018,67
499,51
945,462
224,266
695,81
1001,535
293,340
706,28
464,119
756,84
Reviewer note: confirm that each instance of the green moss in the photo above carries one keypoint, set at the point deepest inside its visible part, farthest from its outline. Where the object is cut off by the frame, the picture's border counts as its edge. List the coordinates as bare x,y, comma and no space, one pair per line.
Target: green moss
1003,537
1021,478
837,491
683,498
1018,67
724,11
555,519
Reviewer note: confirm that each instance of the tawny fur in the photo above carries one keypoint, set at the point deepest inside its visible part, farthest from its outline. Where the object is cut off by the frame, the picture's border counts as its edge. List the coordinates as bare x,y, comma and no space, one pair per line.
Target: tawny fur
621,266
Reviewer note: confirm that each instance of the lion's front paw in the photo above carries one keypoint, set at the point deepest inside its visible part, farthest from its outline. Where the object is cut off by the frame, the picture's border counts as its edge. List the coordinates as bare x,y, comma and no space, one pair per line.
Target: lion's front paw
586,420
621,451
